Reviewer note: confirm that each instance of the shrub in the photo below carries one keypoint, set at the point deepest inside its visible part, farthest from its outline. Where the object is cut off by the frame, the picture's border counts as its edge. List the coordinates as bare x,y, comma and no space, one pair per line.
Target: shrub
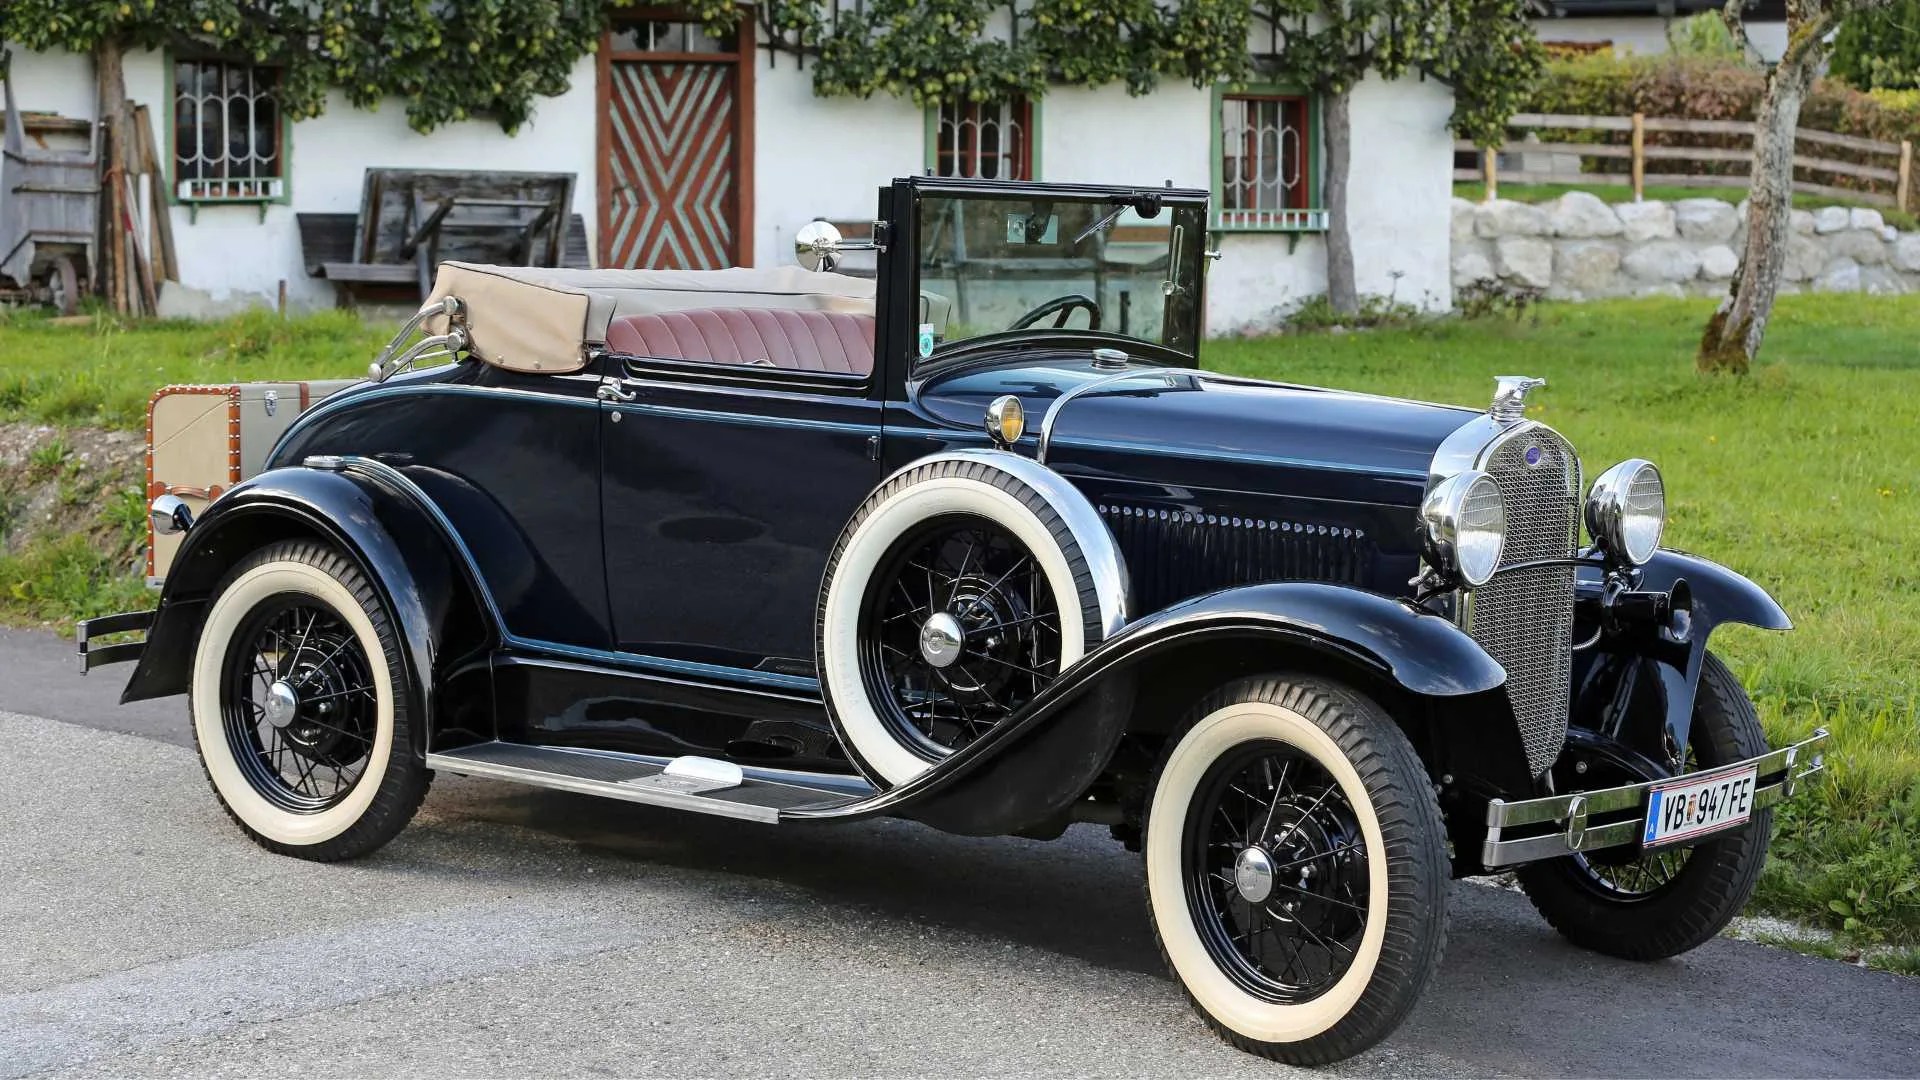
1880,49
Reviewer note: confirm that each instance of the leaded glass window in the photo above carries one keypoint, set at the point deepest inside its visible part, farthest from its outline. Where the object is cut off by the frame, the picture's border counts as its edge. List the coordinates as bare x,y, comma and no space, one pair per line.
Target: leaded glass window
984,140
226,131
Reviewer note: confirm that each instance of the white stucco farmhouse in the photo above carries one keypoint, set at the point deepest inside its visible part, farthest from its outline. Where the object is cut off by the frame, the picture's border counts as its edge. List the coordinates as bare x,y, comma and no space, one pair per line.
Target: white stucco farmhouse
692,152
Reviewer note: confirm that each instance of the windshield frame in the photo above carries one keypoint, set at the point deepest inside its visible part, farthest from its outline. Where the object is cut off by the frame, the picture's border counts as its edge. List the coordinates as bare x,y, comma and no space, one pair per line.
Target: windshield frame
1181,339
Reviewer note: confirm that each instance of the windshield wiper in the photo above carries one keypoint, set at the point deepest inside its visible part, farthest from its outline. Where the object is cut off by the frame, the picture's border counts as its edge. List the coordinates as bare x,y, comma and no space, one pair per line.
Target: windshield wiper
1111,216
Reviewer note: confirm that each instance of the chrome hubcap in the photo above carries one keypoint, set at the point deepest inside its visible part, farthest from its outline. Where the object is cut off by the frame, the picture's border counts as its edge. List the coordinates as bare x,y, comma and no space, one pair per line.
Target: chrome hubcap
942,639
1253,875
282,704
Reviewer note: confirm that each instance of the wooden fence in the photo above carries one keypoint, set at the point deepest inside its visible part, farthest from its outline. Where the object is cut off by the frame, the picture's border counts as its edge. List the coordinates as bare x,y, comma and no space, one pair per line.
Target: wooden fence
1866,177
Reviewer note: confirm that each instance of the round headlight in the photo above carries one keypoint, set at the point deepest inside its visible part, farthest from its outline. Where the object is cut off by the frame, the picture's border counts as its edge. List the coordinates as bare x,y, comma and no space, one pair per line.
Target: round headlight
1006,421
1463,526
1627,510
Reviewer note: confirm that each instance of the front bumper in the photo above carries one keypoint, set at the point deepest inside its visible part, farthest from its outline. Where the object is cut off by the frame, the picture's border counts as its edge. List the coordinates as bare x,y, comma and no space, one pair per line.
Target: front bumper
93,654
1614,817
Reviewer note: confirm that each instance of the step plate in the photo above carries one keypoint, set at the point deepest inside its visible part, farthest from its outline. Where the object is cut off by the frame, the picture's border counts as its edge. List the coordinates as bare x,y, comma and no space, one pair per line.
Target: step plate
633,779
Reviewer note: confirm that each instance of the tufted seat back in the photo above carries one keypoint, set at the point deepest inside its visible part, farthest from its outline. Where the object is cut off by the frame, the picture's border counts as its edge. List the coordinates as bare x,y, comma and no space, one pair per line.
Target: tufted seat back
794,339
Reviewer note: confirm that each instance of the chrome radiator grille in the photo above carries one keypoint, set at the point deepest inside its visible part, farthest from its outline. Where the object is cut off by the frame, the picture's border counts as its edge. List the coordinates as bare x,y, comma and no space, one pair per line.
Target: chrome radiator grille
1524,618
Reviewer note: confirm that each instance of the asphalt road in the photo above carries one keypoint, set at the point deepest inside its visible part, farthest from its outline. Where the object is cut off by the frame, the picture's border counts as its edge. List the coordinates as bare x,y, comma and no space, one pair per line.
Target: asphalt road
516,932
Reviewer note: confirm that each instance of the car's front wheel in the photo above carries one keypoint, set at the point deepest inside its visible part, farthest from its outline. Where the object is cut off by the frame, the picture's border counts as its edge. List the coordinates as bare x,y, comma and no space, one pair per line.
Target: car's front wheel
297,709
1296,868
1651,905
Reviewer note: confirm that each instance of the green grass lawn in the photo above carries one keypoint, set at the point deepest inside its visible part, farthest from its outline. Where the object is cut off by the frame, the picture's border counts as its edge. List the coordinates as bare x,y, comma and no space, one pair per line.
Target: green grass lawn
103,373
1619,193
1804,476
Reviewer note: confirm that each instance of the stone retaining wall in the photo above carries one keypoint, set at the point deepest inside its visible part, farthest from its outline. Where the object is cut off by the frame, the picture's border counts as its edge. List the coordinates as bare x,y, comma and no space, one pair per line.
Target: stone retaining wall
1579,248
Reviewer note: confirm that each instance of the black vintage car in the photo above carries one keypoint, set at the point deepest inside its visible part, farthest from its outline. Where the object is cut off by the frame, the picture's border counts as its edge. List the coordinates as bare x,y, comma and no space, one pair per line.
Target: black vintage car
976,541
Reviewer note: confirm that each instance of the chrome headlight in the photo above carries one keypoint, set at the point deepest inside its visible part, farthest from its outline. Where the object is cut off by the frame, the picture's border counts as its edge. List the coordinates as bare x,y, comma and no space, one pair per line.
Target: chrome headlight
1627,510
1463,527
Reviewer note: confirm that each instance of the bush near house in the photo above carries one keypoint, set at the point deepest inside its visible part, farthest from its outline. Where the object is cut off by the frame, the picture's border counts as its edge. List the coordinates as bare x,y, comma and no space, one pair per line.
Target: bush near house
1801,476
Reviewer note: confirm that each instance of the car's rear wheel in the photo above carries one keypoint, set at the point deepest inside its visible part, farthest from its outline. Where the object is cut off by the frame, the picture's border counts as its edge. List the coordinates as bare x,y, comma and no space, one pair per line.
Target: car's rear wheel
297,707
1647,906
954,596
1296,868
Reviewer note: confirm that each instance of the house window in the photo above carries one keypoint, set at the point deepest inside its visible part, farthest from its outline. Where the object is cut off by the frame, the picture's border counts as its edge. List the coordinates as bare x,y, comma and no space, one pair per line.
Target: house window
1267,173
984,140
226,132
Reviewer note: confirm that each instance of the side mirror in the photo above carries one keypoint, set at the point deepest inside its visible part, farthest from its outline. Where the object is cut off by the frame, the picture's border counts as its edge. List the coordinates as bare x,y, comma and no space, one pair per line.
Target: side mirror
817,245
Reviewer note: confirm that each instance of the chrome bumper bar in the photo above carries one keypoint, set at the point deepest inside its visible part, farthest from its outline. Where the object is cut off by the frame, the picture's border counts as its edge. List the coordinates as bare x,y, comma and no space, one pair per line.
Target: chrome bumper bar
93,655
1779,773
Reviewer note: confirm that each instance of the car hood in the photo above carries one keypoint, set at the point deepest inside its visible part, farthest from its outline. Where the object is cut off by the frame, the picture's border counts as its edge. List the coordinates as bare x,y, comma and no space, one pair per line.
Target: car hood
1252,437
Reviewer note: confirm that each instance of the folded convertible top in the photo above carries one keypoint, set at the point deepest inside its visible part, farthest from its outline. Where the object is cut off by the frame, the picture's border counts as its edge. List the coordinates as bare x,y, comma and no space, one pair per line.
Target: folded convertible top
543,320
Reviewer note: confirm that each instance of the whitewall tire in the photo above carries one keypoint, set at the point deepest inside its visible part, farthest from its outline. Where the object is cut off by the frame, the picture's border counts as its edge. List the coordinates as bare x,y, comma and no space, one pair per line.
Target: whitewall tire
955,593
1296,868
299,706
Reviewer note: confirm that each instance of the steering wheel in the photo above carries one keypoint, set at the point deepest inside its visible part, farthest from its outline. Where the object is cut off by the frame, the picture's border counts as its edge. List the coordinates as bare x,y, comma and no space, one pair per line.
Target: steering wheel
1065,306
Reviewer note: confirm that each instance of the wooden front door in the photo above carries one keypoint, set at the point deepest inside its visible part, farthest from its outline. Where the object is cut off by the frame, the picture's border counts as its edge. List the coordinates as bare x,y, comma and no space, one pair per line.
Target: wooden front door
676,147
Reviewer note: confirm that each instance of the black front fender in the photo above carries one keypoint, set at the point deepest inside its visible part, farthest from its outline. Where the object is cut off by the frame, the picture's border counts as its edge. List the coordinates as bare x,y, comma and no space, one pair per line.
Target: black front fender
370,513
1034,766
1638,687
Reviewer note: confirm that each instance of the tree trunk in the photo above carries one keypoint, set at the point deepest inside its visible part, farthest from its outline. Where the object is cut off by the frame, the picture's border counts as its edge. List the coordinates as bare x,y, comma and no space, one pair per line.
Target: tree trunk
114,274
1342,293
1733,335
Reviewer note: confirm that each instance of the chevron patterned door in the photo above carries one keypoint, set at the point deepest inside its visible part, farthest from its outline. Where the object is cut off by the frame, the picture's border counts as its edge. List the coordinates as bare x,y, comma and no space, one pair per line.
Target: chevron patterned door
671,204
676,145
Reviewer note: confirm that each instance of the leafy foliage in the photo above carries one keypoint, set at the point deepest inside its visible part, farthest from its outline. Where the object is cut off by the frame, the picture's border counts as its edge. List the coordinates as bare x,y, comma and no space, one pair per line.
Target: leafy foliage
1880,50
450,59
1484,48
453,60
1704,35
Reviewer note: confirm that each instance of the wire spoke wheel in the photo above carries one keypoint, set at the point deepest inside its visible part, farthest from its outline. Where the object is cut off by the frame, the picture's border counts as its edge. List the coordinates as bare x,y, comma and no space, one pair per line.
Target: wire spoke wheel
1628,874
959,631
298,704
1276,868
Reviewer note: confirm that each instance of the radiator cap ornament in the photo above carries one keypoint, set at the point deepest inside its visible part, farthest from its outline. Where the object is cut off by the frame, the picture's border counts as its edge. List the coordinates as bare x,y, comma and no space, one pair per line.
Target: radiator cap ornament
1510,397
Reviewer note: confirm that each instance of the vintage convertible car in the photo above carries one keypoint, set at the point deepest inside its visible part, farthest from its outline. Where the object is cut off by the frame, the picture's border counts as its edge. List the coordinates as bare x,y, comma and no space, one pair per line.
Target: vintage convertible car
975,541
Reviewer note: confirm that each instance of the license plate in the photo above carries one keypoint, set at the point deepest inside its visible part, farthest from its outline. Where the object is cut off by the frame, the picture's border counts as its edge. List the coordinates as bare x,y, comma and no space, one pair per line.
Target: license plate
1697,805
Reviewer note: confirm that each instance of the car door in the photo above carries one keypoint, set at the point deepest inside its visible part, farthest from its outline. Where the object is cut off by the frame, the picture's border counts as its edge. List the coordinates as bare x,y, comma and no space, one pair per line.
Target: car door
724,489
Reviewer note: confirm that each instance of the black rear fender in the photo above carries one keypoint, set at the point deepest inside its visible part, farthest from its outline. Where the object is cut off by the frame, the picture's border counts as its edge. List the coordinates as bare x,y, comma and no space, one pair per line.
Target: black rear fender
368,511
1127,694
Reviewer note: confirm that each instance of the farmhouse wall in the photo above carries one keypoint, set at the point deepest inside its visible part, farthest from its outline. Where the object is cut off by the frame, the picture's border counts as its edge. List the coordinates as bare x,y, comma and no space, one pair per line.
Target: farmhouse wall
824,158
1580,248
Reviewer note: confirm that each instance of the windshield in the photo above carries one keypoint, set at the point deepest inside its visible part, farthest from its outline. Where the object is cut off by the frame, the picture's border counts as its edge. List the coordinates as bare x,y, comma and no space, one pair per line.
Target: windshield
994,264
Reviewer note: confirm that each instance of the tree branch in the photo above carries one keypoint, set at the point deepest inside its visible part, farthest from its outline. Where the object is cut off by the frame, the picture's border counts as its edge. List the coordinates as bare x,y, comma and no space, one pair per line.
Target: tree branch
1736,22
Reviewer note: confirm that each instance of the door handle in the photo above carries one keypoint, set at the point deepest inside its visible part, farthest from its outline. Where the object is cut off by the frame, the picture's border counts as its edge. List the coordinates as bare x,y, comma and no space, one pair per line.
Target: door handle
616,393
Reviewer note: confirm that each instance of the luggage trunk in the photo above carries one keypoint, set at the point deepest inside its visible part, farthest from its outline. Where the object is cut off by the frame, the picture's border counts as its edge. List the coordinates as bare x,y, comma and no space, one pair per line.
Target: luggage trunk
202,440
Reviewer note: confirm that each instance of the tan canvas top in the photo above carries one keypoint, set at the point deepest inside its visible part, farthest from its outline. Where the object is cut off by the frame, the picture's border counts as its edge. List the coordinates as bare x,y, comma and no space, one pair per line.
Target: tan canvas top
542,320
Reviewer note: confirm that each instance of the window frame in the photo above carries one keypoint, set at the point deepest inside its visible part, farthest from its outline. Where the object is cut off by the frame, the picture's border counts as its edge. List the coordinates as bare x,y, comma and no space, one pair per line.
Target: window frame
1034,108
171,170
1310,219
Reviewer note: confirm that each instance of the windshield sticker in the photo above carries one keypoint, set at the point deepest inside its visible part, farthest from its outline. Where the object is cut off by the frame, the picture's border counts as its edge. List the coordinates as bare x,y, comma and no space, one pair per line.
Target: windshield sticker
926,340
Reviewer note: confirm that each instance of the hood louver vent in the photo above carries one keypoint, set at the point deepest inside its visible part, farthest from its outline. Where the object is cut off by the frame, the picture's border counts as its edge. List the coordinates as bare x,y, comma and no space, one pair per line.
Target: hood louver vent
1173,554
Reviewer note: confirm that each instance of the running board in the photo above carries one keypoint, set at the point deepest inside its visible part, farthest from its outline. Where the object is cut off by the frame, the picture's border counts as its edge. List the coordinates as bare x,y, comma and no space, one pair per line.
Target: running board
703,785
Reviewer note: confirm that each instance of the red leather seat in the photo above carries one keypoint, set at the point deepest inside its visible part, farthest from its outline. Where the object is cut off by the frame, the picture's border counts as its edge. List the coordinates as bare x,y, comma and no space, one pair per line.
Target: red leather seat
798,340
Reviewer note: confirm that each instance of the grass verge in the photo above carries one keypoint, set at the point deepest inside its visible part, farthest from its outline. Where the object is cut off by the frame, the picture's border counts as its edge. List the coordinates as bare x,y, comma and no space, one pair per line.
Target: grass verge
102,373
